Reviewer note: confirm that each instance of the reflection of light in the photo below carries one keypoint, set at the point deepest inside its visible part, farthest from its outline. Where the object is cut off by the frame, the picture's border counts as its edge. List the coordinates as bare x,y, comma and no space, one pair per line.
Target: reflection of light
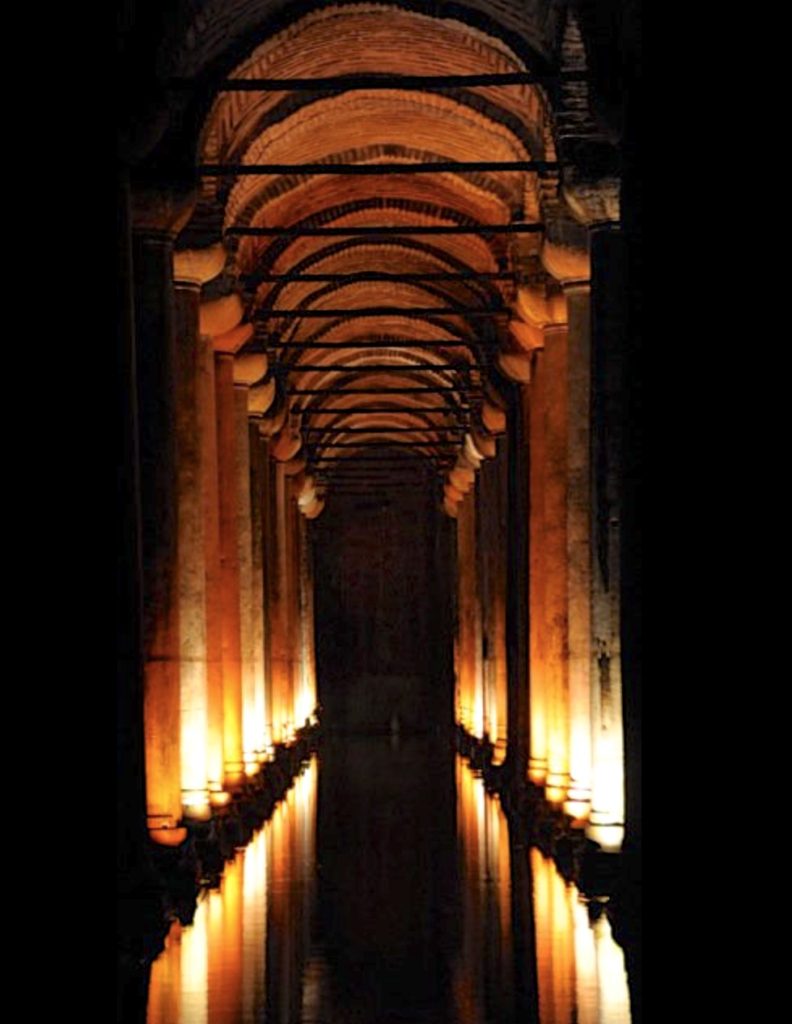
609,837
194,965
614,993
586,991
578,810
555,794
580,969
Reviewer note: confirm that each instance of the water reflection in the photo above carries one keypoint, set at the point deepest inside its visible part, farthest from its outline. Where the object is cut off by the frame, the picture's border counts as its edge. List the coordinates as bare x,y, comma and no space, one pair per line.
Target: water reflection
387,887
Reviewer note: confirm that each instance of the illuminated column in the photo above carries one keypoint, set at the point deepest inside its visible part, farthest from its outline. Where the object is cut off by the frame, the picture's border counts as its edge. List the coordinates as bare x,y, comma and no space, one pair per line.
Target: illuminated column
270,572
245,549
308,682
257,522
608,795
579,545
220,320
191,269
157,218
215,761
554,533
229,574
471,695
281,679
535,398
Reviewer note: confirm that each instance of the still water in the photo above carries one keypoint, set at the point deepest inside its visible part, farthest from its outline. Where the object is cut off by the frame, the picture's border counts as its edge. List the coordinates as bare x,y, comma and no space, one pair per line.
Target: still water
386,888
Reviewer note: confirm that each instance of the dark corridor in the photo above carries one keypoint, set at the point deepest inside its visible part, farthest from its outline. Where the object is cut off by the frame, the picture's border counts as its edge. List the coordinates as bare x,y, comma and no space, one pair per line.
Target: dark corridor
384,610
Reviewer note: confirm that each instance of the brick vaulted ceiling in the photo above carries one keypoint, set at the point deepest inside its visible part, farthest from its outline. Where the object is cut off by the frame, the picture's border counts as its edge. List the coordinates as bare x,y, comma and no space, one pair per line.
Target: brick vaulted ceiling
450,286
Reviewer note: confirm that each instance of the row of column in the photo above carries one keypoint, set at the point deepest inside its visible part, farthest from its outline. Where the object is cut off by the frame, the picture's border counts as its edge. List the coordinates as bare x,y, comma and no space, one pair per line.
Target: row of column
228,636
566,367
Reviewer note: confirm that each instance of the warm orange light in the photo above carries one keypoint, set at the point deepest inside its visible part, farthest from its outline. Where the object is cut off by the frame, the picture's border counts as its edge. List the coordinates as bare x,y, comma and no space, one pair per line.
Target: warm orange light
219,799
168,836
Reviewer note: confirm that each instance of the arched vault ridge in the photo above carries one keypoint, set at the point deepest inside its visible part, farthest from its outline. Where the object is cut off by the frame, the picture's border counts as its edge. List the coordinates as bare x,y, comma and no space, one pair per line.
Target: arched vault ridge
391,307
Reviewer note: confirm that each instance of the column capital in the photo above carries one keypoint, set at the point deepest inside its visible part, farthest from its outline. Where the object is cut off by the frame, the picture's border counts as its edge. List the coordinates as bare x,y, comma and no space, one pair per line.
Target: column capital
220,316
249,368
195,267
161,213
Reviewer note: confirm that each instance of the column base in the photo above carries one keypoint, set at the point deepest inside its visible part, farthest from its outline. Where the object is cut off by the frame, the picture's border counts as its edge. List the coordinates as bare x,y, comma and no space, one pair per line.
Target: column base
167,835
537,770
556,786
234,776
195,804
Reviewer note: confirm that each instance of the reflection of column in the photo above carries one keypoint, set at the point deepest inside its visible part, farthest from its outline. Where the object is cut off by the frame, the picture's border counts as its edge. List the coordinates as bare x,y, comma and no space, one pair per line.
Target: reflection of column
154,226
229,577
579,546
245,555
190,447
554,533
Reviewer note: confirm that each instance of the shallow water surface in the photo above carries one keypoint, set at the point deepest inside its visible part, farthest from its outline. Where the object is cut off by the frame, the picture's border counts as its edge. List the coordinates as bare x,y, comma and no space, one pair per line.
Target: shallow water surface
387,888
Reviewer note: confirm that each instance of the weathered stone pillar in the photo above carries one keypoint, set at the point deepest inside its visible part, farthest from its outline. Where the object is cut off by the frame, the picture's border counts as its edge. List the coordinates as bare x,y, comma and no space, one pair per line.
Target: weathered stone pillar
257,524
246,593
215,759
191,269
471,695
608,328
157,218
535,402
132,843
579,545
308,699
554,533
229,574
283,702
268,523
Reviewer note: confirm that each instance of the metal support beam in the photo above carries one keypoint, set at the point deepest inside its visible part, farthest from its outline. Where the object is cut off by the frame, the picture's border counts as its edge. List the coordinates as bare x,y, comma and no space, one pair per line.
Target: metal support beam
402,343
333,83
428,389
365,231
444,410
325,431
464,311
435,167
381,367
381,275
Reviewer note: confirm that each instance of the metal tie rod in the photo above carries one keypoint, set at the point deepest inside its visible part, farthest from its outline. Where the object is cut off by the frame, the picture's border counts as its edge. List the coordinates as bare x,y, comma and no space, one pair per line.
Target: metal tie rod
379,391
465,311
433,167
402,229
383,368
343,411
373,80
380,275
438,343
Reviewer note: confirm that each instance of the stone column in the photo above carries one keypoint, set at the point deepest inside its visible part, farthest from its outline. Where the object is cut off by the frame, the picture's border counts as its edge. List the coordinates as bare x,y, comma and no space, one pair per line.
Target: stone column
132,842
215,759
229,569
191,269
270,572
471,696
281,674
579,545
554,534
536,415
157,218
257,525
246,595
608,330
